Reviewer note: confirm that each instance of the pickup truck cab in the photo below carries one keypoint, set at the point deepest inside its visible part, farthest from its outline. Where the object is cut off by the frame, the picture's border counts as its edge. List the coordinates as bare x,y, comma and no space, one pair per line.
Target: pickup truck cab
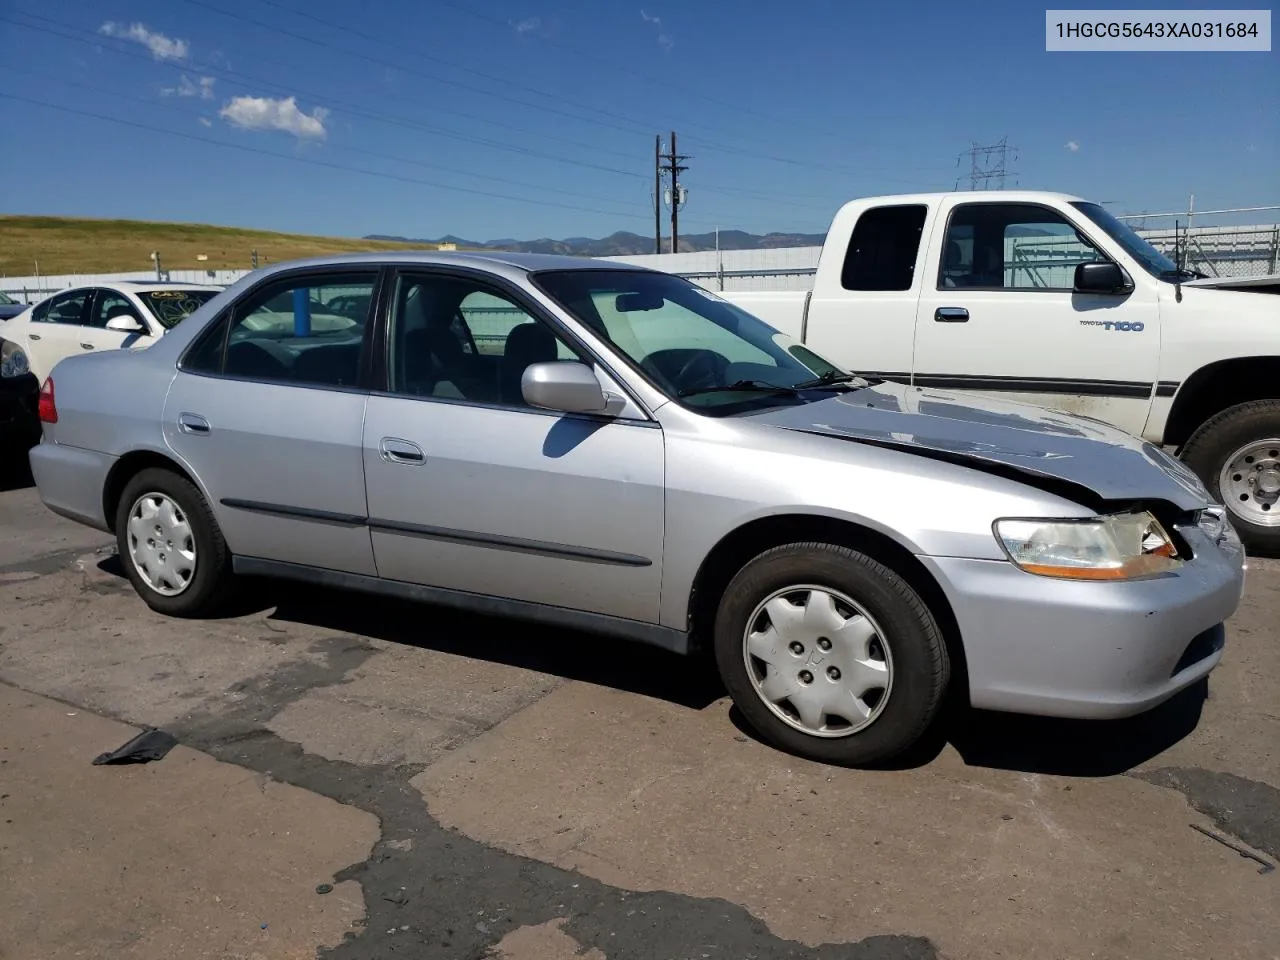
1047,298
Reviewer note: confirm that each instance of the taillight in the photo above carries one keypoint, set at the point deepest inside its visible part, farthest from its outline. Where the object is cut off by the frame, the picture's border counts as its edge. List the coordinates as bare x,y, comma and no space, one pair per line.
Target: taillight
48,409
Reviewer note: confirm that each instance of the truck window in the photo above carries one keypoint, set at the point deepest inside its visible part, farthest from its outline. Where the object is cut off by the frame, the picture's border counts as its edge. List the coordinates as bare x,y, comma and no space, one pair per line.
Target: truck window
882,252
1012,246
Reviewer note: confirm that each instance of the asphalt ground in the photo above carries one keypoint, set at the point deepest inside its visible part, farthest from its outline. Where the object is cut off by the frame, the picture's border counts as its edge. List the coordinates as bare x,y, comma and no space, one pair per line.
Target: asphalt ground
357,778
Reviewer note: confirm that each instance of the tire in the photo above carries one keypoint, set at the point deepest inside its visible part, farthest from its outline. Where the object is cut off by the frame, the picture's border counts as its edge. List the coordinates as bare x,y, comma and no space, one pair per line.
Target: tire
1249,430
205,590
910,646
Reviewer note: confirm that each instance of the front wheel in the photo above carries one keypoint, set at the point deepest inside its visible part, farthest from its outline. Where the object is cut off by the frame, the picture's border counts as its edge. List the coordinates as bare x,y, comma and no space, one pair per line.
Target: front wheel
1237,455
830,654
171,547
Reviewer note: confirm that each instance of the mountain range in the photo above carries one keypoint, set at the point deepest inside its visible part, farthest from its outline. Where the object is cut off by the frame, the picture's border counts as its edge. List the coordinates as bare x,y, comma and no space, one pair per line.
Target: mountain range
625,244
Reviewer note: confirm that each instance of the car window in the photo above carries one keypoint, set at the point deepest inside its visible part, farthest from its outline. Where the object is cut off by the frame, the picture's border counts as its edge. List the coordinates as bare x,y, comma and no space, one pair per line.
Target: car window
69,308
306,331
110,304
453,338
1012,246
171,307
883,249
694,346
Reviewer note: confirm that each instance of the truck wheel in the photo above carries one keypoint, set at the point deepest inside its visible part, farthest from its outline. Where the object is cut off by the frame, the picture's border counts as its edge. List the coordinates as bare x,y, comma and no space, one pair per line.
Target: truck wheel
171,547
829,654
1237,455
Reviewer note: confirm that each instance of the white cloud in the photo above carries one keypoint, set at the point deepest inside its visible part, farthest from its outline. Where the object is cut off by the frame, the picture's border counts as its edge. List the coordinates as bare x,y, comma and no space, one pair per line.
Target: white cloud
201,87
1073,146
267,113
161,47
665,40
206,122
527,26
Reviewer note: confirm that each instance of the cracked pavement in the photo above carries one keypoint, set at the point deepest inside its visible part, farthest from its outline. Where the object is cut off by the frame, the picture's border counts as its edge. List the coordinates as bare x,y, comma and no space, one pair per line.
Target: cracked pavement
472,787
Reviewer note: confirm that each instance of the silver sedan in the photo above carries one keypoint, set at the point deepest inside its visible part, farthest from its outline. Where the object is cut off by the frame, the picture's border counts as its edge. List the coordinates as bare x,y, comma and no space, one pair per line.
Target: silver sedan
617,450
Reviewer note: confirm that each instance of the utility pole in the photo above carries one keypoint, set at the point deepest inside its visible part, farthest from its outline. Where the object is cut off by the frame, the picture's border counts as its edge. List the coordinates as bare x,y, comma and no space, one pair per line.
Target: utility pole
657,193
676,198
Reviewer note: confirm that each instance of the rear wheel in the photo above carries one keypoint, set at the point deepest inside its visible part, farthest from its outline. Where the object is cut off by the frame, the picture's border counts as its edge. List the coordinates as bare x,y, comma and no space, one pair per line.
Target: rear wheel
171,547
1237,455
830,654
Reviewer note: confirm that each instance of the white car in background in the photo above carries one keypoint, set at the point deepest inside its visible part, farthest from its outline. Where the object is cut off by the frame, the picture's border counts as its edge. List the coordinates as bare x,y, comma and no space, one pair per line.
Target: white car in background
122,315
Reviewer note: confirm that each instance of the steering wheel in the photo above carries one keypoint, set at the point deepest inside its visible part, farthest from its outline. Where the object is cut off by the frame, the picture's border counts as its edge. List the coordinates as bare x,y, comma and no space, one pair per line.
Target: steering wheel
707,365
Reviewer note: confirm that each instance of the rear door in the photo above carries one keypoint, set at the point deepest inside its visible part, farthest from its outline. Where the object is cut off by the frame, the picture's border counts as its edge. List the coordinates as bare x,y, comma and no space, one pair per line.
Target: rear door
58,329
998,316
867,323
267,410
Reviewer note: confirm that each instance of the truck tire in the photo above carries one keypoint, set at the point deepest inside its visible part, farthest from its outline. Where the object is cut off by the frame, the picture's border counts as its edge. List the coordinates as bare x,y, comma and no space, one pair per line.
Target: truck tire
830,655
171,547
1237,455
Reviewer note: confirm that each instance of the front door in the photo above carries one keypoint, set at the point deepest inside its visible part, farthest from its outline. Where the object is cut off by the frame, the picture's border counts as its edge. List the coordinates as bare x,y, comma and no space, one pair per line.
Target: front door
471,489
998,316
108,304
268,415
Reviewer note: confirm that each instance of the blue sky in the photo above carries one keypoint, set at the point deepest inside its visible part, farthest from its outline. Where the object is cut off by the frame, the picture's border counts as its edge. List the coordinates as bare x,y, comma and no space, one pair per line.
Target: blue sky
330,117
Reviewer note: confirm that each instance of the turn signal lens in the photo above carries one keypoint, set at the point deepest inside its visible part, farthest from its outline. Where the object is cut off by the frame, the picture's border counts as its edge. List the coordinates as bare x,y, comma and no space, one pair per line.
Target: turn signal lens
1120,546
48,409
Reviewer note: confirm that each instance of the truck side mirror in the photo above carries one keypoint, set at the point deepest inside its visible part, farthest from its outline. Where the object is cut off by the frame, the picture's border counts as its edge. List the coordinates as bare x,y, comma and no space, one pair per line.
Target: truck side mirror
1102,277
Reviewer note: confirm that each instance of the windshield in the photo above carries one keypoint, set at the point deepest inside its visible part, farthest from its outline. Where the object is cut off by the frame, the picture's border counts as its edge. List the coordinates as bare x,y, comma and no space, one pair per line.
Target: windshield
171,307
5,298
1152,260
694,346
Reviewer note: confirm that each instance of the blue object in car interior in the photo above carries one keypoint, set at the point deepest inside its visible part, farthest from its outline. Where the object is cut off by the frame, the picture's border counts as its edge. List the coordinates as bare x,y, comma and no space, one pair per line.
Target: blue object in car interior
302,312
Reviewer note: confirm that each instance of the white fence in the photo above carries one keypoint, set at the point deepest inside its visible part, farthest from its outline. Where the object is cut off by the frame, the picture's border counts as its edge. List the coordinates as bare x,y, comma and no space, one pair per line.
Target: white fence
1244,251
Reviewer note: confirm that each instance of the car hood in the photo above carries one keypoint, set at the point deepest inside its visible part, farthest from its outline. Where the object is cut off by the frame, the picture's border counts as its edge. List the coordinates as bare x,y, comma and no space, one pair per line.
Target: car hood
1030,440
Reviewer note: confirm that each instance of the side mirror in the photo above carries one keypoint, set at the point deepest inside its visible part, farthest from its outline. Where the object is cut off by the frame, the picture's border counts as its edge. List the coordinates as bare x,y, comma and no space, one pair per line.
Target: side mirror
567,386
1102,277
125,323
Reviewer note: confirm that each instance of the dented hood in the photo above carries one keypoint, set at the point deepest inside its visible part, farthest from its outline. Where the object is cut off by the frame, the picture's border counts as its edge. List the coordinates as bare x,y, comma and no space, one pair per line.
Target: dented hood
1087,453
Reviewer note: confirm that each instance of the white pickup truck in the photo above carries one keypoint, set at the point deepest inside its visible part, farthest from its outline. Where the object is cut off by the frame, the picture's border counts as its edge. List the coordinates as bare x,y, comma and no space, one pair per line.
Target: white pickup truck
1047,298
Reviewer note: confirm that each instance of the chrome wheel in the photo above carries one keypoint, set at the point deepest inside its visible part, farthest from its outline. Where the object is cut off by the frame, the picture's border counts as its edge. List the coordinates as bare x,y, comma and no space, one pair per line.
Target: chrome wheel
162,546
1250,482
818,661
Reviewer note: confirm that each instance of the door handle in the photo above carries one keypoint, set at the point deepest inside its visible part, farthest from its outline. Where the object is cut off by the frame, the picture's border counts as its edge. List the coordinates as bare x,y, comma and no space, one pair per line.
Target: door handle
193,423
33,336
951,315
393,450
87,346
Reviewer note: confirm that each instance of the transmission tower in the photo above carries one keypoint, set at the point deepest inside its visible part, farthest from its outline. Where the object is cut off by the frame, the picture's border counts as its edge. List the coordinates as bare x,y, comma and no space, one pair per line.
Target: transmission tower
989,163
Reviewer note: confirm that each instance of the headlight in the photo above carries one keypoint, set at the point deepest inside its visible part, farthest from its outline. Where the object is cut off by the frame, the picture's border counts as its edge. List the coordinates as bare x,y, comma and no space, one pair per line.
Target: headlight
1119,546
13,362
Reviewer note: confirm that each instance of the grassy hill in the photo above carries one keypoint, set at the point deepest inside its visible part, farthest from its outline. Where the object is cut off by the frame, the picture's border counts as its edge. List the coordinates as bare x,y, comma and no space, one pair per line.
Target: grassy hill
72,245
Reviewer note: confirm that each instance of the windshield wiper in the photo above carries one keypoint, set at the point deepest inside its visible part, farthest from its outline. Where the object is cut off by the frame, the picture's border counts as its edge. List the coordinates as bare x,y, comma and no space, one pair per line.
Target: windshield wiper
834,378
739,386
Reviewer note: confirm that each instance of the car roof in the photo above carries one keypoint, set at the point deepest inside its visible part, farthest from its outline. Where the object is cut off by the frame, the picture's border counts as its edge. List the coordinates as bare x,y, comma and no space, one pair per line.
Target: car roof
142,285
526,262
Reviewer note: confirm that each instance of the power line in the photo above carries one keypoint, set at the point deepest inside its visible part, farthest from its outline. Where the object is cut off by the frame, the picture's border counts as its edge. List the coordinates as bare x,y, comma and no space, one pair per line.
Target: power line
357,150
239,78
436,78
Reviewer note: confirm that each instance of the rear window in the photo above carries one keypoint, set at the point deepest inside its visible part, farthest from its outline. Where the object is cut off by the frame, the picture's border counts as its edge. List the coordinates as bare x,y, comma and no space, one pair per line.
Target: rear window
171,307
882,252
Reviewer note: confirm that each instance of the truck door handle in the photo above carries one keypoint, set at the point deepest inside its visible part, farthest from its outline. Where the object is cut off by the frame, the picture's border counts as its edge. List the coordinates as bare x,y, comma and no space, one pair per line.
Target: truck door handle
193,423
393,450
951,315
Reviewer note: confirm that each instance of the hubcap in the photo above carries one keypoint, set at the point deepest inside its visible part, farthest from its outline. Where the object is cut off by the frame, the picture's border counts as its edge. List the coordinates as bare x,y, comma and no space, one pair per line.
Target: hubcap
162,546
1250,482
818,661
